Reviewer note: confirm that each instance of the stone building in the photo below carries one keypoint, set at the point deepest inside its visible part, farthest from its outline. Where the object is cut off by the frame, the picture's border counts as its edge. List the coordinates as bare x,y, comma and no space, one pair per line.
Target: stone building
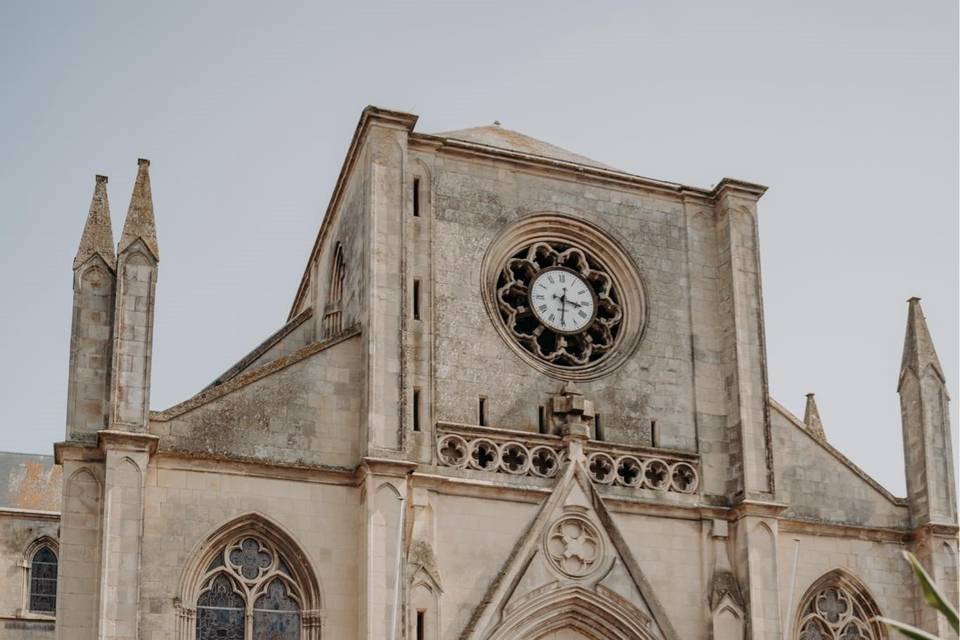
520,395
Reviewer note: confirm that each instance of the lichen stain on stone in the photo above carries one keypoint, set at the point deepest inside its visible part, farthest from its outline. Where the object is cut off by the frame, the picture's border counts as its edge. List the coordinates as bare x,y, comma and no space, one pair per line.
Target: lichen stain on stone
33,487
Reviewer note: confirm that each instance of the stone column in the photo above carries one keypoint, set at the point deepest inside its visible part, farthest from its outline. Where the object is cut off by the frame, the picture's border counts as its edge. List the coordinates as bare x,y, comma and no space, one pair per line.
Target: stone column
126,456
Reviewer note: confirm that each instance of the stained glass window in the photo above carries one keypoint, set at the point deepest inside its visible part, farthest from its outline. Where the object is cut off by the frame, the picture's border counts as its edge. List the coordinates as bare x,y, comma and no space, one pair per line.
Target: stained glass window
220,611
250,595
834,612
43,581
250,559
276,616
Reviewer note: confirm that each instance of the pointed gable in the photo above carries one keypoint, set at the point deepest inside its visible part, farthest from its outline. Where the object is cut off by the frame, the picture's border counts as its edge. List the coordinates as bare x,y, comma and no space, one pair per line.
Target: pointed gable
497,136
918,350
97,238
140,223
571,566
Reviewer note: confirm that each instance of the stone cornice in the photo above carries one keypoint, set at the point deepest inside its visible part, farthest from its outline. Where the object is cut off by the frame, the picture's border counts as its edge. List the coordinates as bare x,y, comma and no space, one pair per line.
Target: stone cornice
76,452
202,462
395,468
441,144
29,514
127,441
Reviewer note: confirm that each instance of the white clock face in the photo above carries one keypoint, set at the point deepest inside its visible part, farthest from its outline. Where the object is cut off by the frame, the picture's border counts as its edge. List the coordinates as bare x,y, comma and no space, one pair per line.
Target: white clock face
562,300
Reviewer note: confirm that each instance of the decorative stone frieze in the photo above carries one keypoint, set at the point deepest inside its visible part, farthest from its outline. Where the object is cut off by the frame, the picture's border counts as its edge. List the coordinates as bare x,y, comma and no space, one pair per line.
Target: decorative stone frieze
499,453
517,453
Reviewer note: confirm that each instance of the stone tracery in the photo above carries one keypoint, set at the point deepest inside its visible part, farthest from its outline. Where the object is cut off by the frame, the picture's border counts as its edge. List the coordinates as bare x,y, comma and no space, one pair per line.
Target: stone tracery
514,305
248,594
836,607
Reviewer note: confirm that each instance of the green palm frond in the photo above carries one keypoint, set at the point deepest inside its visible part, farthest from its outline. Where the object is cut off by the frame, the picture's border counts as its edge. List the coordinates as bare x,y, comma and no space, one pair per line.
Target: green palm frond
932,594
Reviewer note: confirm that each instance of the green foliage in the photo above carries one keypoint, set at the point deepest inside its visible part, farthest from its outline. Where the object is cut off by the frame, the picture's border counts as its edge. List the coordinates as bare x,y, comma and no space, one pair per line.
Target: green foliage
933,597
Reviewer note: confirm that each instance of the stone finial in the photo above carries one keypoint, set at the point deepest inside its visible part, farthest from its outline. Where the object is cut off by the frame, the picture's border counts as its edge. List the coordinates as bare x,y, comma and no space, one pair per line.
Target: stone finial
97,237
918,351
572,412
811,418
140,223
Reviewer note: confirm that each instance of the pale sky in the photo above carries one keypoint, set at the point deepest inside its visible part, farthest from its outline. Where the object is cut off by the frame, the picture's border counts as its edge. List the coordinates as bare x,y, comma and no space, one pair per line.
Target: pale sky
846,110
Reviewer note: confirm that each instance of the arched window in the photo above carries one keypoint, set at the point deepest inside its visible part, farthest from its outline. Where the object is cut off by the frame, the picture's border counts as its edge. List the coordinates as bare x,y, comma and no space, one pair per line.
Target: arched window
249,594
838,607
333,312
43,581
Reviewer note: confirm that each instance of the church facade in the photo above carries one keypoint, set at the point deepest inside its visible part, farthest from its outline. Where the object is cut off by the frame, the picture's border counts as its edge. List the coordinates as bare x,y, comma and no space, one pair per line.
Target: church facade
519,395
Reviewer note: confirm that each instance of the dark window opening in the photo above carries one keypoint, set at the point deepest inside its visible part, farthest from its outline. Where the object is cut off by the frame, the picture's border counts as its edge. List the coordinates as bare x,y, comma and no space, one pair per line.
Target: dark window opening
654,436
597,427
421,625
43,581
416,197
542,411
482,411
416,409
416,299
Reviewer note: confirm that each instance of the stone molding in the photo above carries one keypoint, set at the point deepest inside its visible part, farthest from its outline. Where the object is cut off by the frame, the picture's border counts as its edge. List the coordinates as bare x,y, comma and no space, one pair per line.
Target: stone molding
212,393
244,362
842,459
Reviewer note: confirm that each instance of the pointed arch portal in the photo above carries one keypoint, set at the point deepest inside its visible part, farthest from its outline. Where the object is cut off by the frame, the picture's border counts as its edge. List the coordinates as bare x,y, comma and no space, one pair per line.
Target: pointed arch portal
572,613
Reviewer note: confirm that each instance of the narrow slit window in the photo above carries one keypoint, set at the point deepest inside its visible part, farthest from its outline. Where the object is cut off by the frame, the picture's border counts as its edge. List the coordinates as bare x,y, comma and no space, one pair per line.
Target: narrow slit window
421,625
482,411
654,436
542,417
416,197
416,409
597,427
416,298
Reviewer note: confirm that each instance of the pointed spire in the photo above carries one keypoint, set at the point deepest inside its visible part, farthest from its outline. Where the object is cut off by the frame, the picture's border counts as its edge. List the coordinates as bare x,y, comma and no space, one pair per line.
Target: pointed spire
97,238
918,351
140,222
811,418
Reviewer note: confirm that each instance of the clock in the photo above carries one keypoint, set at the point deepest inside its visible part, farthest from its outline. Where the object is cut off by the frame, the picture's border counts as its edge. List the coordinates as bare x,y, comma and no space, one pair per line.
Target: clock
562,300
564,295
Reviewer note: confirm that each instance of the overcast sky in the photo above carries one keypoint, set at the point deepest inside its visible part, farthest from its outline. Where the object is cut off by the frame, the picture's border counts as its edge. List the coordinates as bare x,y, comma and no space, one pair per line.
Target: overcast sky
847,110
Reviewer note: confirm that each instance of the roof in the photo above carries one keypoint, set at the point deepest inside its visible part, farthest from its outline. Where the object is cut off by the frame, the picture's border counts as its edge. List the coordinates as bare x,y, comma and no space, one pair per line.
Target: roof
499,137
29,481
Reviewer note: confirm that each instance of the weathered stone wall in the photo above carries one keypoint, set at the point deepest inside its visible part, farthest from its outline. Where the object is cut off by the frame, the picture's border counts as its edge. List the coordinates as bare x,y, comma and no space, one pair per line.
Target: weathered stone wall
474,538
17,532
187,500
307,413
348,226
473,202
818,485
877,564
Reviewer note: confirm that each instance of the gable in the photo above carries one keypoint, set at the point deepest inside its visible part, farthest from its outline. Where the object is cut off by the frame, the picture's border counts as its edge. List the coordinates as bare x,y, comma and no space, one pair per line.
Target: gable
571,564
819,483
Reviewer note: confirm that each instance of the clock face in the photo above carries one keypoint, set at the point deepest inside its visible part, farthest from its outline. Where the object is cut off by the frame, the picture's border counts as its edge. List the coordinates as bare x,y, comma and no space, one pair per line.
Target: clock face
562,300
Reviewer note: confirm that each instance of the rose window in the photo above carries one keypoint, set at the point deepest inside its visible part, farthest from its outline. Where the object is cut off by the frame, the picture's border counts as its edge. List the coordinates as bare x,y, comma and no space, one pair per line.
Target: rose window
564,295
568,326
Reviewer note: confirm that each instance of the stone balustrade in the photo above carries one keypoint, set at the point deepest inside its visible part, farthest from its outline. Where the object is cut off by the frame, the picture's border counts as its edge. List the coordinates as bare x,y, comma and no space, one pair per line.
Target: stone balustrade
542,455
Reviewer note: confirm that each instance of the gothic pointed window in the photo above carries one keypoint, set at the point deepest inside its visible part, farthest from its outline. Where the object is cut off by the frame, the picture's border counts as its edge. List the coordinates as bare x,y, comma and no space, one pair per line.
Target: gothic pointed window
333,311
275,614
250,594
220,611
838,607
43,581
